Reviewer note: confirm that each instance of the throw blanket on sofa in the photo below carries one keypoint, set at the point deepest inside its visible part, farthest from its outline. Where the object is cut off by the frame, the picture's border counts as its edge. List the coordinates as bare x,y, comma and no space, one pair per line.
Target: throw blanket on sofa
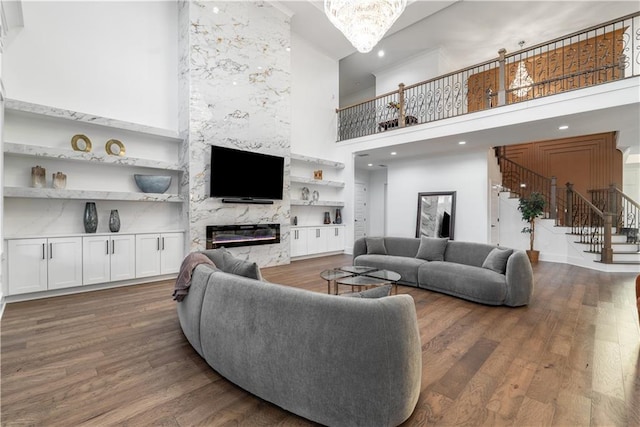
183,281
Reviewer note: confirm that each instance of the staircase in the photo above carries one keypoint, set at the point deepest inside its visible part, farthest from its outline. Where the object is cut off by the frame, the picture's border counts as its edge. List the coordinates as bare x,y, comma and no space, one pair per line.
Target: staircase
600,233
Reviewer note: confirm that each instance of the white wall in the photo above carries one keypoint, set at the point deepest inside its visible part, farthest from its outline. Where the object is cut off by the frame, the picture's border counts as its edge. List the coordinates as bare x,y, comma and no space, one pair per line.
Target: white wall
418,68
465,173
111,59
314,99
631,180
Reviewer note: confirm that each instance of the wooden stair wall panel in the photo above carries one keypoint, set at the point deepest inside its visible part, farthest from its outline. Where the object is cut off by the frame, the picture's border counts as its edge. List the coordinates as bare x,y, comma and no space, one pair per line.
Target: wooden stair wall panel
589,161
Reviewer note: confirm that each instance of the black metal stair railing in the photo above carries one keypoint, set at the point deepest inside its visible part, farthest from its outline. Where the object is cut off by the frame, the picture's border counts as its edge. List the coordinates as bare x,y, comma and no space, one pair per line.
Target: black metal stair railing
600,54
591,225
625,211
521,182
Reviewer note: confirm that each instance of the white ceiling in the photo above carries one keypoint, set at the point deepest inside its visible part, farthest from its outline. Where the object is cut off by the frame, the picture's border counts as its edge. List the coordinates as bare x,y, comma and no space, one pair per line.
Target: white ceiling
467,32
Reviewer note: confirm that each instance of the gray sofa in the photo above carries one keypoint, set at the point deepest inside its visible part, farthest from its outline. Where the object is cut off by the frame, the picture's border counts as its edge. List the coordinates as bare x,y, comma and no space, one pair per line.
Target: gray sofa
477,272
333,360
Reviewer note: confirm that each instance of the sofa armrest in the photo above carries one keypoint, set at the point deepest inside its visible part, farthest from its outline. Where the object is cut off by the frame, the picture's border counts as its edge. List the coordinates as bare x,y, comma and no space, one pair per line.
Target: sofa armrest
359,247
519,280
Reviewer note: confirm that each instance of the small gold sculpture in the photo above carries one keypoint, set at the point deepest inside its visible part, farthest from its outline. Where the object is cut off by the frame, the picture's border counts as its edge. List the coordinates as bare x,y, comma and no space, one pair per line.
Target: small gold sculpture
317,174
109,147
83,138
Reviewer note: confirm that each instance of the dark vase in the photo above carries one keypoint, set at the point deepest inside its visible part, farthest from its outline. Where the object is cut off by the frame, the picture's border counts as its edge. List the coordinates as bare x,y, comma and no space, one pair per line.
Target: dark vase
90,217
327,218
338,216
114,221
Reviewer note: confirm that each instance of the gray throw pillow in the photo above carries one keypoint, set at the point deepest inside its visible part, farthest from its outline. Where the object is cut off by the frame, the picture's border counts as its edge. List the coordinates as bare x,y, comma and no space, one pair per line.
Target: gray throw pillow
377,292
497,260
375,245
240,267
432,248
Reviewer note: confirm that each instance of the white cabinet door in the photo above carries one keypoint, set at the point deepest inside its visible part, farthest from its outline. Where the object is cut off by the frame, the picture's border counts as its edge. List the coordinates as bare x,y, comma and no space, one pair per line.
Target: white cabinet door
64,266
316,240
147,255
27,265
95,260
298,242
335,239
123,257
108,258
171,252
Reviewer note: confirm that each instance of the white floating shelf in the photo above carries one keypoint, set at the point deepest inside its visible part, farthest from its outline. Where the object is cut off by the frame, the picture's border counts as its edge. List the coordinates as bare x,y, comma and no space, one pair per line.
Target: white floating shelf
53,193
316,161
312,181
65,154
316,203
44,110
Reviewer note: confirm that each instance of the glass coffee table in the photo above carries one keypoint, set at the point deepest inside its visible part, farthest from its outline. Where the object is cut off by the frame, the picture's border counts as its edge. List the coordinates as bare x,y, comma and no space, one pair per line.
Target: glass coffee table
359,276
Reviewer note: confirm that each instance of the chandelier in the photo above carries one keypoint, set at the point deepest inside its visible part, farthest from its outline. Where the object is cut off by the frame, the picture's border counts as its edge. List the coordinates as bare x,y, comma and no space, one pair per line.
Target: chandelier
522,82
363,22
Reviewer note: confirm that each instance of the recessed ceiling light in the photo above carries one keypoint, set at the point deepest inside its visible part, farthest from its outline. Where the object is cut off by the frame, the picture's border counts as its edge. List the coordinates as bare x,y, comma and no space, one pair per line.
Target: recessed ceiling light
370,164
216,10
563,127
381,53
393,153
288,49
462,142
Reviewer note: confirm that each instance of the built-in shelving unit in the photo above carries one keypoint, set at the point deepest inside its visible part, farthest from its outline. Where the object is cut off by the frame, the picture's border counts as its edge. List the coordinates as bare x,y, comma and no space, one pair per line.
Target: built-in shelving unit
307,163
53,193
60,113
66,154
36,113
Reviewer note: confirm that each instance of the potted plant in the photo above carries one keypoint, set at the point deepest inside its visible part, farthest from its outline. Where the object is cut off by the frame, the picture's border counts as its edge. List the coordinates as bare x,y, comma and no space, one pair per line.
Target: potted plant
531,208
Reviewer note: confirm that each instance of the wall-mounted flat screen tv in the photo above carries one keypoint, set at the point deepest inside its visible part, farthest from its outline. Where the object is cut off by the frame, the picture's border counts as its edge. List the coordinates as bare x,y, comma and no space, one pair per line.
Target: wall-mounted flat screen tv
245,175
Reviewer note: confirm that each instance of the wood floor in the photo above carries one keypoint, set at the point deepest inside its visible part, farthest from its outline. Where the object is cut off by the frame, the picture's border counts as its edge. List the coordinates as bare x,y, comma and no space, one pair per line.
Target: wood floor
118,357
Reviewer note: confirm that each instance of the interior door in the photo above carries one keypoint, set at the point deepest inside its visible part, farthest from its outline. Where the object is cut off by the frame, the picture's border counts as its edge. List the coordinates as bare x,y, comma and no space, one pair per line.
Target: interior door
361,211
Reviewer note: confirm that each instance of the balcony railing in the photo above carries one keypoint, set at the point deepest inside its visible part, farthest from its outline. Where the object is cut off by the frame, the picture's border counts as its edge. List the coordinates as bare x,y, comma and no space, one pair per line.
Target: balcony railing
596,55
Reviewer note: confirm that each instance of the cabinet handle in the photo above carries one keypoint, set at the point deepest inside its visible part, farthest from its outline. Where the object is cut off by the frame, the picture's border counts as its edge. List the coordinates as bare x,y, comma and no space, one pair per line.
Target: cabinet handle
107,242
113,247
44,256
163,243
157,243
50,250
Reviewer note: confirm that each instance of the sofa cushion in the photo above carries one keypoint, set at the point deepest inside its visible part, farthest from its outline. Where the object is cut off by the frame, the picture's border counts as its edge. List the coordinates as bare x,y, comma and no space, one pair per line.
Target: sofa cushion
225,261
405,266
432,248
469,253
473,283
497,260
375,245
377,292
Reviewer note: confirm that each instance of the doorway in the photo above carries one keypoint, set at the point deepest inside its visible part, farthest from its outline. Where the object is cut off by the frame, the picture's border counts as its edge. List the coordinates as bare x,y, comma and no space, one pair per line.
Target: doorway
361,211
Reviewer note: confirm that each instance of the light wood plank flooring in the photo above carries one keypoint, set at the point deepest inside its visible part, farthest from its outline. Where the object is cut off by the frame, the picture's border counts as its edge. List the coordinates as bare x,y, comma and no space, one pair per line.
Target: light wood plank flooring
118,357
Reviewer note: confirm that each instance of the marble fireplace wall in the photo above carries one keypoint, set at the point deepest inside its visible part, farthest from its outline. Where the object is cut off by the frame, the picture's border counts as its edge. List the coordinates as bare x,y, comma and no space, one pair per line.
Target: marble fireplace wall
235,90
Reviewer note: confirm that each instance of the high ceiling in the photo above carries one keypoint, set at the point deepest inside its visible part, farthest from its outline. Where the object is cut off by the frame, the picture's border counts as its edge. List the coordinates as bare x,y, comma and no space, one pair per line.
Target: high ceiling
466,32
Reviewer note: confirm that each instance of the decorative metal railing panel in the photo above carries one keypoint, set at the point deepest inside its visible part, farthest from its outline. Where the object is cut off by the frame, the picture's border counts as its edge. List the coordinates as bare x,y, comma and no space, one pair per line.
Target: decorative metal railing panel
588,222
625,211
594,56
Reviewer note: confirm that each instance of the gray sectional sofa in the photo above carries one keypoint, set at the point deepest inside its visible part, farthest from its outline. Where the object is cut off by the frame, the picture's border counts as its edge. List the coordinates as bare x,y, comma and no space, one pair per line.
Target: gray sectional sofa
477,272
333,360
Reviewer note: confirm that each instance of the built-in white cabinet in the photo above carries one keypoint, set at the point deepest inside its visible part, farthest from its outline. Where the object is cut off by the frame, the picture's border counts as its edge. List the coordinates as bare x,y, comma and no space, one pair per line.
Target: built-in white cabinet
43,264
335,238
298,242
108,258
316,240
158,253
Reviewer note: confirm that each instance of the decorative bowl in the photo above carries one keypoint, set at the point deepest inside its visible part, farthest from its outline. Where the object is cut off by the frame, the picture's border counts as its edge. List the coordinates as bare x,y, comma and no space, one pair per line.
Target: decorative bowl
153,183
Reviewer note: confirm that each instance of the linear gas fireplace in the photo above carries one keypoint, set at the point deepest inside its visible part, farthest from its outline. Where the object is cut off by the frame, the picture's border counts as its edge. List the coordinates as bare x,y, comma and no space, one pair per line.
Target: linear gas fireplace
229,236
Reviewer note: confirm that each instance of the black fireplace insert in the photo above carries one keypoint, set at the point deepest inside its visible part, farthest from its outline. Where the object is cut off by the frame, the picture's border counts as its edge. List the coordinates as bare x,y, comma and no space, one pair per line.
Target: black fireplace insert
229,236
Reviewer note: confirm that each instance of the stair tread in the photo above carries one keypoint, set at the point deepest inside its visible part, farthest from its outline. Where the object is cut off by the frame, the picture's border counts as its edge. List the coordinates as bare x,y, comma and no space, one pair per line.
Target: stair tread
620,262
617,252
